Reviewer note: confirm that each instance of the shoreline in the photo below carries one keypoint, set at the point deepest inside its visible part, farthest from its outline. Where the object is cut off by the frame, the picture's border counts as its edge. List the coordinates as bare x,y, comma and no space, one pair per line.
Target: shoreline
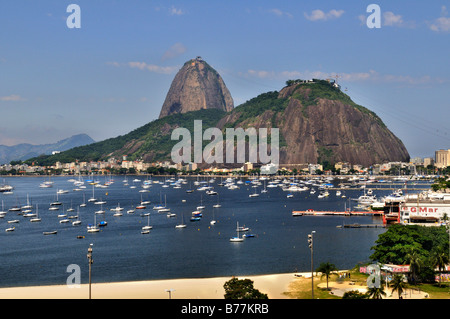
274,285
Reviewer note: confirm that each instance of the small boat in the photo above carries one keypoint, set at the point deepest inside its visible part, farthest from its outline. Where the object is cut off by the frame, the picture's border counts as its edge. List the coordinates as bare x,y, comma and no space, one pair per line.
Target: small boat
182,225
80,237
36,219
103,223
289,196
197,213
242,229
54,232
148,227
13,221
92,229
117,209
63,221
195,219
10,229
213,221
248,235
236,239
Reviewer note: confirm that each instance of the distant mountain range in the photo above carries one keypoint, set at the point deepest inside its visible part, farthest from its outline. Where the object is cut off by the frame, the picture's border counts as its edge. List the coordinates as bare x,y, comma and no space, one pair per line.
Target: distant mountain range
25,151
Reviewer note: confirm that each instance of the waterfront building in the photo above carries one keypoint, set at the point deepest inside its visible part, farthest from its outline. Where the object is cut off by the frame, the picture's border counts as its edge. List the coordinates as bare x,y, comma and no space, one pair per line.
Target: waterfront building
425,208
442,158
428,161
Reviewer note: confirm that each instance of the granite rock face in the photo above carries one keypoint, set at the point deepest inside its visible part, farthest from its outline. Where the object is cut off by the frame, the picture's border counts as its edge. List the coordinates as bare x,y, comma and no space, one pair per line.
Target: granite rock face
196,86
318,124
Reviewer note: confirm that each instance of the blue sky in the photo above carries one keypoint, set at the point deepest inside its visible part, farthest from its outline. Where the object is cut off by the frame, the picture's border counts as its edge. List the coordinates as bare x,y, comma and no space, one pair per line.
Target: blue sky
111,75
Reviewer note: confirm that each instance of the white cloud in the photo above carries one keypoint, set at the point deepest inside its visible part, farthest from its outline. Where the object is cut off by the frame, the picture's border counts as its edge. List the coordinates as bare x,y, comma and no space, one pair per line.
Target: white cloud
175,11
12,98
153,67
174,51
319,15
391,19
146,67
280,13
441,24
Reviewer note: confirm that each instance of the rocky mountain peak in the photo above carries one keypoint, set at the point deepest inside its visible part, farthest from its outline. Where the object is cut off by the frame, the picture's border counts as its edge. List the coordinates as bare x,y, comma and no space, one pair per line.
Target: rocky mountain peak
196,86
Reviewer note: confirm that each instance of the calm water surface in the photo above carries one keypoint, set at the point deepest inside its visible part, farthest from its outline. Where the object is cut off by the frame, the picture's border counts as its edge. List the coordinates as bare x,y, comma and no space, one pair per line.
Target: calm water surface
122,253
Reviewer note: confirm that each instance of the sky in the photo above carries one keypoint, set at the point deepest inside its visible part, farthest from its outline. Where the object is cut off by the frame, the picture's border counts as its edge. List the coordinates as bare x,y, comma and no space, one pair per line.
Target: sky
111,75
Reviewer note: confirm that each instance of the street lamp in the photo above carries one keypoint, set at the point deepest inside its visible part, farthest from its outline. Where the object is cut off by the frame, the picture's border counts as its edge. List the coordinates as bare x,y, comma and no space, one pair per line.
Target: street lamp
311,242
170,292
90,260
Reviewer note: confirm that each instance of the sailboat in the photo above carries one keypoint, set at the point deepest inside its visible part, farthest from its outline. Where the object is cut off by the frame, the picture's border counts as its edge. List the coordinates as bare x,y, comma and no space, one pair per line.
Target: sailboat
118,210
2,212
201,203
237,238
28,206
164,209
182,225
57,202
92,199
84,201
78,221
213,221
217,205
254,194
101,211
36,219
93,228
146,229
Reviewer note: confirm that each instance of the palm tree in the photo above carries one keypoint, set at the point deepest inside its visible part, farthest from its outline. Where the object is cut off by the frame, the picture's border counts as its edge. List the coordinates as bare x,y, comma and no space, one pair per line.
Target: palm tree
397,284
377,292
415,263
327,269
439,259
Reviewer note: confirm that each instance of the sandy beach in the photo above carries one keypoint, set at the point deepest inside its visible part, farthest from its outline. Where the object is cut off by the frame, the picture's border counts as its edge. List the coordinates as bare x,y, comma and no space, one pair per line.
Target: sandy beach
199,288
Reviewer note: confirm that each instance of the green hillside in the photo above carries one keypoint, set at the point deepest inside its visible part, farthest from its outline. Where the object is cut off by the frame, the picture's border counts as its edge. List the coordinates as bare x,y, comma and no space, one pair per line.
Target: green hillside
151,140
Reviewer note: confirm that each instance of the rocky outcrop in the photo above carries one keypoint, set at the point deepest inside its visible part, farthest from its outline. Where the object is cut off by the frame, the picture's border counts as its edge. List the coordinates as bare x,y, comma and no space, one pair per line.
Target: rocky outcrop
196,86
315,129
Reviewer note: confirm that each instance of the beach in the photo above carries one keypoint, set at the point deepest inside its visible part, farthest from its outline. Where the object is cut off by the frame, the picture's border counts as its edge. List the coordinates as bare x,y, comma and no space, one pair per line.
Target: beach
273,285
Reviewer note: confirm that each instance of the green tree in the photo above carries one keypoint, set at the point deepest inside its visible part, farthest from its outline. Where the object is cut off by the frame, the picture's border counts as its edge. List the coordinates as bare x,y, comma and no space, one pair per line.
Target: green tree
242,289
355,294
327,269
439,258
397,284
377,292
415,263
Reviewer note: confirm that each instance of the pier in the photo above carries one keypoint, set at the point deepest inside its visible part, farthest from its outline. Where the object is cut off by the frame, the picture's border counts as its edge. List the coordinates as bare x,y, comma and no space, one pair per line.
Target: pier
364,226
311,212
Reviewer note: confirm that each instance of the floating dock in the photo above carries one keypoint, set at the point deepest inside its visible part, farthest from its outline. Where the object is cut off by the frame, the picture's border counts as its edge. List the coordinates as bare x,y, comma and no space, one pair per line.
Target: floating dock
311,212
365,226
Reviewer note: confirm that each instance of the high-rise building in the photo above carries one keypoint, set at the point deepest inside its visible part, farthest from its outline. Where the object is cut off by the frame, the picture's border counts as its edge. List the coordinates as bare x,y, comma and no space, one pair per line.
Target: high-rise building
442,158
